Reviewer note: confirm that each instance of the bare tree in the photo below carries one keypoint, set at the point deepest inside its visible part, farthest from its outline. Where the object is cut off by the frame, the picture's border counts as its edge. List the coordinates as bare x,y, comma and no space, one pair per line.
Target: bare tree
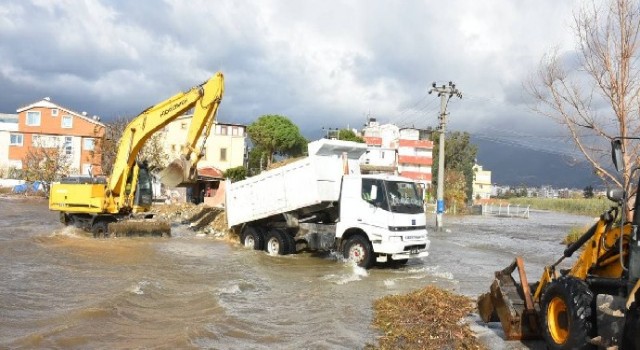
46,160
153,151
596,96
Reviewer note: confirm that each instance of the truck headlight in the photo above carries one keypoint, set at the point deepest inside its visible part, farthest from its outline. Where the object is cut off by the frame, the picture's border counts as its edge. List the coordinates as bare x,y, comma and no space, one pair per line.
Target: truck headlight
395,238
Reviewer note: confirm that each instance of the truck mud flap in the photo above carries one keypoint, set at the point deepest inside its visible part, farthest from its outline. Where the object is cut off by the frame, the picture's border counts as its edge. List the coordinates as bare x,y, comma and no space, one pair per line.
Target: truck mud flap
511,303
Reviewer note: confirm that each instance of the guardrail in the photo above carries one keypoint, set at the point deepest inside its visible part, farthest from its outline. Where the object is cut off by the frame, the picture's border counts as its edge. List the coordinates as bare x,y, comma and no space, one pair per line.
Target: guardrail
507,210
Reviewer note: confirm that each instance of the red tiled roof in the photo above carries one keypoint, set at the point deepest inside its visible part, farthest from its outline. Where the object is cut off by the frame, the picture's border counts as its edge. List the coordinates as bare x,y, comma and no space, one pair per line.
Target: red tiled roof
211,172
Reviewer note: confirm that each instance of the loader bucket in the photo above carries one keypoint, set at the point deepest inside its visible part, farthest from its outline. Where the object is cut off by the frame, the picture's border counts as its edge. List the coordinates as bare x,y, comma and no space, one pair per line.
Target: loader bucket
510,303
177,173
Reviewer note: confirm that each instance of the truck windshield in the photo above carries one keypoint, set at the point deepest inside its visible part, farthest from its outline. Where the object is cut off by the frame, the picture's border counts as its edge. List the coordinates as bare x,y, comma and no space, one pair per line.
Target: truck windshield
404,197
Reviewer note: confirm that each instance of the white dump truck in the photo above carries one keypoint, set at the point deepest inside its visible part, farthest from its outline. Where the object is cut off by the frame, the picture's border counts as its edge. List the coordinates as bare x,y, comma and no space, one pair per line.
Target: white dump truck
322,202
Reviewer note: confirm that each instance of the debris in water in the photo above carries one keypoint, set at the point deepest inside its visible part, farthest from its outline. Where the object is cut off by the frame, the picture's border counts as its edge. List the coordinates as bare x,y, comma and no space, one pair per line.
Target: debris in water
431,318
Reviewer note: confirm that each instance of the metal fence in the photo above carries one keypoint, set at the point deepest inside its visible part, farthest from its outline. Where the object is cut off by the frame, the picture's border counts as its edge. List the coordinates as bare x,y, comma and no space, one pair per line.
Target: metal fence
506,210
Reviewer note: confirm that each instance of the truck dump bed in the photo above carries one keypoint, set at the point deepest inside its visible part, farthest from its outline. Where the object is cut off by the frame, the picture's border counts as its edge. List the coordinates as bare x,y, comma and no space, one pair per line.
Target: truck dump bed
302,184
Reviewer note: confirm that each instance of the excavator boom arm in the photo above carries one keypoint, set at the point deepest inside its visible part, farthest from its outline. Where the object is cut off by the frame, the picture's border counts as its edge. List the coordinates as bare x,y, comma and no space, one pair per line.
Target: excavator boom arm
205,100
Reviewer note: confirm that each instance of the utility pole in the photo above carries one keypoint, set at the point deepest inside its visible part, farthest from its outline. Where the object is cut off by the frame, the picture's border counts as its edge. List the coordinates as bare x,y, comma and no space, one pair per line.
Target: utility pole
445,93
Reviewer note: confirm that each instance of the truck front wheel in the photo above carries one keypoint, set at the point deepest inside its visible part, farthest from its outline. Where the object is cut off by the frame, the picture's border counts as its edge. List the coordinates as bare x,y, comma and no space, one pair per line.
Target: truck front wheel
359,250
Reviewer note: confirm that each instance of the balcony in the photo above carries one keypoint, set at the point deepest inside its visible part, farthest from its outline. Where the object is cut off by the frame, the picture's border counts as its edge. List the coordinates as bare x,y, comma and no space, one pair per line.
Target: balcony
416,143
416,175
415,160
373,141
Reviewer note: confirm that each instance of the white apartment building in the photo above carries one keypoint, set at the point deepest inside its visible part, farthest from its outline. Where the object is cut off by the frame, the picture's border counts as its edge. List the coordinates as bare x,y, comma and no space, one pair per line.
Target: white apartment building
482,188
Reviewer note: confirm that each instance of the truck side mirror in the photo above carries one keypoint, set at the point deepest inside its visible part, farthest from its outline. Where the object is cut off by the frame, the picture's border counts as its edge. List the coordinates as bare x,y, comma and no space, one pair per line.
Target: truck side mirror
616,153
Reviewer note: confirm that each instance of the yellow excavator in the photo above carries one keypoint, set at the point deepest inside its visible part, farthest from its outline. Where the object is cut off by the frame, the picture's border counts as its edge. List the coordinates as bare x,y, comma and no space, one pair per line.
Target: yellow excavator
120,203
593,304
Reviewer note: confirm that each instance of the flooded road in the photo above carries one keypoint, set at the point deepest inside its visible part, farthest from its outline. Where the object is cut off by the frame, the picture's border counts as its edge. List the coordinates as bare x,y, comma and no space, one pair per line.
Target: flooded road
62,289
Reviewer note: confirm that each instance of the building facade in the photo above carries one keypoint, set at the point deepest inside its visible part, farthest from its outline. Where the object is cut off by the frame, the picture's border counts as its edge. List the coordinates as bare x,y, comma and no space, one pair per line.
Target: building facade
406,152
225,147
8,126
46,125
482,188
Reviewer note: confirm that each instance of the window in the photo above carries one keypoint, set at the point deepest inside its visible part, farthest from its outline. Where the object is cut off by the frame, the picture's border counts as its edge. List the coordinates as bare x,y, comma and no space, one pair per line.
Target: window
223,154
89,144
68,145
67,121
54,112
183,125
33,118
223,130
16,140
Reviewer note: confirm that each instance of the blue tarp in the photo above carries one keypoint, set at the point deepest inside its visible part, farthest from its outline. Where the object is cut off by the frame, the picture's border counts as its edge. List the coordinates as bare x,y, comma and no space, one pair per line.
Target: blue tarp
34,186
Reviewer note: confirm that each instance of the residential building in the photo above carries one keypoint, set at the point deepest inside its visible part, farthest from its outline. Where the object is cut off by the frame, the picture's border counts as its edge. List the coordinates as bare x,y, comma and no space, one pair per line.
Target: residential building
224,148
44,124
482,188
8,125
407,152
415,154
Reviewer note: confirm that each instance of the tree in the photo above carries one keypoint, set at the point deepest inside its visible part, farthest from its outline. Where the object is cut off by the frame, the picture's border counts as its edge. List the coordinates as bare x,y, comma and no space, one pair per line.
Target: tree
606,74
46,160
588,192
257,160
153,150
275,134
460,155
455,191
236,174
349,135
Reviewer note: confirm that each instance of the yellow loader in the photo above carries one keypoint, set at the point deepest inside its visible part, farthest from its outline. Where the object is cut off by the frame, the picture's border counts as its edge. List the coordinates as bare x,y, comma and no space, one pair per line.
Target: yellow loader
590,305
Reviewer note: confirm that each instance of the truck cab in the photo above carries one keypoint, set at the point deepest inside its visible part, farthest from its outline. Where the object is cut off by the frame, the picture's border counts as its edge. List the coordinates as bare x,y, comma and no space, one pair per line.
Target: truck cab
389,210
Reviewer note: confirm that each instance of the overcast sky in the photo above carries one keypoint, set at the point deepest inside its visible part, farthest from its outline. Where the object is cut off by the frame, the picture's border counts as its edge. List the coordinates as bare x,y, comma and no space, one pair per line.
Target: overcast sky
322,63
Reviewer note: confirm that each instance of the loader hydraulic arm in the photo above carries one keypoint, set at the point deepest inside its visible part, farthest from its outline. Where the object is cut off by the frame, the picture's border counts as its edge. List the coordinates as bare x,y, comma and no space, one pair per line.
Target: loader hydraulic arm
204,99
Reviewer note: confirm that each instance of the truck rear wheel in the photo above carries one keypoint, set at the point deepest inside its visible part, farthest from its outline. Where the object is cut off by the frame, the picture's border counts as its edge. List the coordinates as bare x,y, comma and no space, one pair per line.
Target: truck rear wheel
566,314
359,250
276,242
252,237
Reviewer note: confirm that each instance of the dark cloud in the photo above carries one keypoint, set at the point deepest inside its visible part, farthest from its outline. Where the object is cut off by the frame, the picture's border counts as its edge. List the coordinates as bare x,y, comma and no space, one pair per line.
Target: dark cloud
322,64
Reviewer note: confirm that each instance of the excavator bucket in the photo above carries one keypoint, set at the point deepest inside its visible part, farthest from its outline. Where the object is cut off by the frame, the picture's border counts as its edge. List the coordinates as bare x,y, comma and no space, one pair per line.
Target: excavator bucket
140,228
177,173
511,303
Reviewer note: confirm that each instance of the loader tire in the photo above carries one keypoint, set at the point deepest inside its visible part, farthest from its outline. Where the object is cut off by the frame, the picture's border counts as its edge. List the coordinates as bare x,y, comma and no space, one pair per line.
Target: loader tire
252,237
567,315
359,250
276,242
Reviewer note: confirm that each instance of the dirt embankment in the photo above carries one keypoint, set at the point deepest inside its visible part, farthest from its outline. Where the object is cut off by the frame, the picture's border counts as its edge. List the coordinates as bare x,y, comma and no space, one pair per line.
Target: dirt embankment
200,218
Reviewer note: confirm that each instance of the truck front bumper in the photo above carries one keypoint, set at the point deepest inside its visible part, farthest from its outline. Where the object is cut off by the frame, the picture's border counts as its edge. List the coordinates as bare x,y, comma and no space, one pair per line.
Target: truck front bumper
403,250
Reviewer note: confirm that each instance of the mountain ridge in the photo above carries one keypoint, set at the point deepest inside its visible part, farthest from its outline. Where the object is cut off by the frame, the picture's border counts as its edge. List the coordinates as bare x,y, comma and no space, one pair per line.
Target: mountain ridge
514,165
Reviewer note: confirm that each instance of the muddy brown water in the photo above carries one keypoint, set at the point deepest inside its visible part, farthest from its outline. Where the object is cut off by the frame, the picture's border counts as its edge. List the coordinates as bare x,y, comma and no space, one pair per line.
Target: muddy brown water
60,288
